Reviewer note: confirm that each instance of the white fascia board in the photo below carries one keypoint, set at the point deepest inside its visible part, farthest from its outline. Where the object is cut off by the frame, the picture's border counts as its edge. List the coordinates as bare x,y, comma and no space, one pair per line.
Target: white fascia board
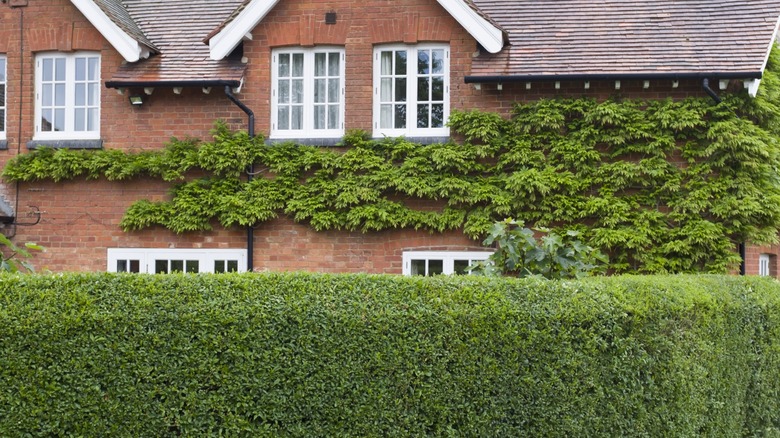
486,34
753,87
130,49
221,44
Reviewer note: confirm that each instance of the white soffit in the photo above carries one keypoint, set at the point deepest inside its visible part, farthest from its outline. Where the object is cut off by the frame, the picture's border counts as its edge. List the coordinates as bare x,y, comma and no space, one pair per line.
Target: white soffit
221,44
130,49
486,34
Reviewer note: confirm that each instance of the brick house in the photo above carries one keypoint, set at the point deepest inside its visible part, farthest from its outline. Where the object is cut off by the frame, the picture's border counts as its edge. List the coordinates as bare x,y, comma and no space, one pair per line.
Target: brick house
129,74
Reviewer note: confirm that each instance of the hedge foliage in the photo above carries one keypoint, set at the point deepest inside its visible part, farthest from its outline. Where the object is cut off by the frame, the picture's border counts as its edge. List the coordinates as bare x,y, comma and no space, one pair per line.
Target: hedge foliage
356,355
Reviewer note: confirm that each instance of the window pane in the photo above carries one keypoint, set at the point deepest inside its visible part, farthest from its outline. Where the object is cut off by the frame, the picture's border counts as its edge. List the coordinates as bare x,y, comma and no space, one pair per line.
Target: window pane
333,116
418,267
400,90
461,267
81,69
94,69
422,116
219,266
423,62
161,266
177,265
297,91
386,90
283,117
296,118
334,86
400,62
92,119
48,69
59,120
400,116
193,266
135,266
94,94
59,94
386,116
2,69
320,90
2,120
80,119
438,62
437,115
334,63
435,267
121,266
284,65
47,124
59,69
423,89
46,95
319,64
297,65
437,91
319,117
386,63
2,95
232,265
81,94
284,92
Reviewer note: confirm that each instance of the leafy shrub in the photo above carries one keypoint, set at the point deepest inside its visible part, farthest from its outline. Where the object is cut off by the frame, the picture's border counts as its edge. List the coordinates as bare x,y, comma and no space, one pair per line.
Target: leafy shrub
354,355
519,253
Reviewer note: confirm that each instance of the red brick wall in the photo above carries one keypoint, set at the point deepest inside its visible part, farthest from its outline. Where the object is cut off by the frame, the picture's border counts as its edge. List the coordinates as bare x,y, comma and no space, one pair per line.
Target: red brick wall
81,218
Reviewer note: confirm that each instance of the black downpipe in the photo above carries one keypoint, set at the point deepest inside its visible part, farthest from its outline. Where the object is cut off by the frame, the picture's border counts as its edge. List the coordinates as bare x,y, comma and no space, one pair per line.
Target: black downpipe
742,255
250,230
705,83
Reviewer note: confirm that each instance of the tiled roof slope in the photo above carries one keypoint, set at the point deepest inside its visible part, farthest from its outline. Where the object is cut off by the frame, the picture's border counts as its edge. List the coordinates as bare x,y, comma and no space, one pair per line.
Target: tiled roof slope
119,15
177,28
592,37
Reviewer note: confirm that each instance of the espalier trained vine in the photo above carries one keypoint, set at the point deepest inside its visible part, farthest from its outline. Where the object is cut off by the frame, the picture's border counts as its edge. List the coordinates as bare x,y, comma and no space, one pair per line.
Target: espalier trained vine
660,186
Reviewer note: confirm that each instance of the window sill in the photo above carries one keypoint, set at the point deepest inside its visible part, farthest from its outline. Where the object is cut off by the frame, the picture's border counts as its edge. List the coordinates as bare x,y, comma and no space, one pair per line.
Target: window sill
420,140
307,141
65,144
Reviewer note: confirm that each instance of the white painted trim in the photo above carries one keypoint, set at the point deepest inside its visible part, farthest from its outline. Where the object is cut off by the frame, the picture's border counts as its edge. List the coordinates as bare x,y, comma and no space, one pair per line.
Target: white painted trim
127,46
147,256
221,44
4,103
486,34
447,257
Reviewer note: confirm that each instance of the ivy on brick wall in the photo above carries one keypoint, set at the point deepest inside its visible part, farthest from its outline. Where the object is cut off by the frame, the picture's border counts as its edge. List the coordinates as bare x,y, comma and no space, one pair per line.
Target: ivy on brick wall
659,185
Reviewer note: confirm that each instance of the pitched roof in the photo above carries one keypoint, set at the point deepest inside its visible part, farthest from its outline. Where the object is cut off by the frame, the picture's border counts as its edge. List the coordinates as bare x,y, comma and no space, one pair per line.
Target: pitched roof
175,29
599,37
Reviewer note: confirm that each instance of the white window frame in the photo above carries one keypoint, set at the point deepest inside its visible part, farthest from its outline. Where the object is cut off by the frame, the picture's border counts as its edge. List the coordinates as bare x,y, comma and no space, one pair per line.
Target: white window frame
448,259
69,106
4,100
308,104
763,265
411,75
146,257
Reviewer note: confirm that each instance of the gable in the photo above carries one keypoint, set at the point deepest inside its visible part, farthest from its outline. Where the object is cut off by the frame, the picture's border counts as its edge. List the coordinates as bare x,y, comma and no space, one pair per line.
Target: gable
227,37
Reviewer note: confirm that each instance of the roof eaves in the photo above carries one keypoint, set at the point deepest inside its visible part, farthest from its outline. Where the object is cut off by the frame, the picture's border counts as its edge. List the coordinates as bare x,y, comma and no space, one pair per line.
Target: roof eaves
487,33
130,48
231,33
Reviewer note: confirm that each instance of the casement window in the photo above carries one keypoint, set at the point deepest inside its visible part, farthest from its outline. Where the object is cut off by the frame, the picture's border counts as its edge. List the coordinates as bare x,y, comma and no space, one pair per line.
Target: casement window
411,90
764,264
67,96
428,263
3,104
307,93
165,261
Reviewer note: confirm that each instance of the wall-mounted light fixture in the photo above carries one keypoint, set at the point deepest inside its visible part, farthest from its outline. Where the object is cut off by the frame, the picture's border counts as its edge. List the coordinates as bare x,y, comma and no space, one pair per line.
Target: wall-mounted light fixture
136,99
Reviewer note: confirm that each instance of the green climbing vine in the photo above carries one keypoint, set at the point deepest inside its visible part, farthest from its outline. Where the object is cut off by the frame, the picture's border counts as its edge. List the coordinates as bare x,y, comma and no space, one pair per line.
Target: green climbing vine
659,186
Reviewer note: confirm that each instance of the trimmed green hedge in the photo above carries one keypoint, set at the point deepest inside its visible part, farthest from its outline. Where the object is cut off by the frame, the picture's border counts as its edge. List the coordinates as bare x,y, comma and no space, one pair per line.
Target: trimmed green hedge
357,355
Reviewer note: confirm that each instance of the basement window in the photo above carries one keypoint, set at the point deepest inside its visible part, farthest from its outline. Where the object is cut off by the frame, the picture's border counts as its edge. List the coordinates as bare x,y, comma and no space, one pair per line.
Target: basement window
429,263
166,261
